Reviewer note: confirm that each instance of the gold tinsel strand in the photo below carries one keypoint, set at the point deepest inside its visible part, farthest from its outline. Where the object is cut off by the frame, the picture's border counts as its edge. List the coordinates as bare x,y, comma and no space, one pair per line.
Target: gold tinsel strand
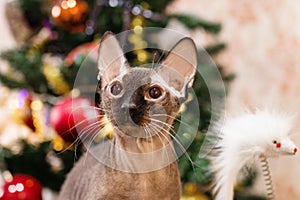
58,143
55,79
36,107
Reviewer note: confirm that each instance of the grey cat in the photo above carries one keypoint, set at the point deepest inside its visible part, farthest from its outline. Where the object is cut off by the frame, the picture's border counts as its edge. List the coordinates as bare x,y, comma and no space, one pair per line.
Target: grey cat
141,104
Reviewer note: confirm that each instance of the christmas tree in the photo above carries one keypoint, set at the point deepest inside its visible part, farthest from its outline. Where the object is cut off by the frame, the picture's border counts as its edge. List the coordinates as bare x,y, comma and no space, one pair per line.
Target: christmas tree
55,39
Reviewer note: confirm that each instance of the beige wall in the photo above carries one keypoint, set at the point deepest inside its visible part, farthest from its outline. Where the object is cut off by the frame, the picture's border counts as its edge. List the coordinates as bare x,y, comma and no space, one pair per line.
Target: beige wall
263,39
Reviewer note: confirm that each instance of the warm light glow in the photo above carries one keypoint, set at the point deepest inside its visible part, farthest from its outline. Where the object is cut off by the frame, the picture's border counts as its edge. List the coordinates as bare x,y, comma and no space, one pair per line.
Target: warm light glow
12,189
36,105
142,56
133,38
64,4
141,45
71,3
55,11
137,21
58,144
19,187
75,93
138,29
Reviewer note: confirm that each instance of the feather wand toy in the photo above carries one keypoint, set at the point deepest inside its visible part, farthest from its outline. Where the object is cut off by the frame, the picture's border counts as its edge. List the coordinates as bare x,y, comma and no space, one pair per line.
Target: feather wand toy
245,139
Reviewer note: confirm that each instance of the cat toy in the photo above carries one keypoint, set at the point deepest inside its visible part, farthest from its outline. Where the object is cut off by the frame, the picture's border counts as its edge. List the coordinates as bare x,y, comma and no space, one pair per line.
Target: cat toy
245,139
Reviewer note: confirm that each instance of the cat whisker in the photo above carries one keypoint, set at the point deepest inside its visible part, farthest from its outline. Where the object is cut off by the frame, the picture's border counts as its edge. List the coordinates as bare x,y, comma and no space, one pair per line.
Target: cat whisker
153,59
91,141
160,57
148,133
78,139
85,133
177,141
162,142
164,123
79,124
172,117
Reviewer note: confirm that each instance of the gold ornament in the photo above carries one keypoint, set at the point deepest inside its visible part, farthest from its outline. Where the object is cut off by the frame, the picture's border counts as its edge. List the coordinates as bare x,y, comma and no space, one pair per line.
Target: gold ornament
71,15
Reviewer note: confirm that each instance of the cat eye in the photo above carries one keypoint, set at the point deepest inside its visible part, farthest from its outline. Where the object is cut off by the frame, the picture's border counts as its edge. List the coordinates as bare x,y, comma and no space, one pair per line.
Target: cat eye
116,88
155,92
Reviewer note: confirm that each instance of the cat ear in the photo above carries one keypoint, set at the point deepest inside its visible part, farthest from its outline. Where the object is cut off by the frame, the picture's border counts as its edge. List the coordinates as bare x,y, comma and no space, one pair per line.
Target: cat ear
111,59
183,59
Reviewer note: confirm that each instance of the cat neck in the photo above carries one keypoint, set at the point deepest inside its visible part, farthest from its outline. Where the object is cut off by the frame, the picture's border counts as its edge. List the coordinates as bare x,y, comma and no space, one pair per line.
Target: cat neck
140,155
143,144
137,155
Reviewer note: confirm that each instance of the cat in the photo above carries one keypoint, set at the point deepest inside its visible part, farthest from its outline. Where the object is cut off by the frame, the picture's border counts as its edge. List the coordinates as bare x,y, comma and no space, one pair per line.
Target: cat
141,103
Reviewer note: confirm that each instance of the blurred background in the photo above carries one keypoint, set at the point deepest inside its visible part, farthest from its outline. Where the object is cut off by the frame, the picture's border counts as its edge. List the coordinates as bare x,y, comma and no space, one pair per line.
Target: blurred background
255,45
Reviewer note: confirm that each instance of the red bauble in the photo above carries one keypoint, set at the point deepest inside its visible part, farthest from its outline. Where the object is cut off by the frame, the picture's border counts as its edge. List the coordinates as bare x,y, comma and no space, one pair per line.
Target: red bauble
89,49
70,116
22,187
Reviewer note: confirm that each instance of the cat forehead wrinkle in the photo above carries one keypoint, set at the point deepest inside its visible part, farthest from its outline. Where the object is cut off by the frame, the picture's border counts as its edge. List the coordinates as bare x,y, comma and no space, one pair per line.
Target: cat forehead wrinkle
137,76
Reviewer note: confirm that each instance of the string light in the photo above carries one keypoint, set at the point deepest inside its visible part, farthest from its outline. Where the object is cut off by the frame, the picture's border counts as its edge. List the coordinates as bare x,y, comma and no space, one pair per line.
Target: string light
38,116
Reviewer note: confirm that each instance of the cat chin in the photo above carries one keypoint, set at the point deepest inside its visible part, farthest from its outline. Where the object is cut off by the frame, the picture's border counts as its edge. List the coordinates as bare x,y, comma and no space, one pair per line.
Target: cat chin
136,131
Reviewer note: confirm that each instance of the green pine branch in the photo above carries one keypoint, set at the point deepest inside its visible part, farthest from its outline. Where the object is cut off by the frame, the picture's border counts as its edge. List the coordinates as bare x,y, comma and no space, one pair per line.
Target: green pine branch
28,64
13,84
215,48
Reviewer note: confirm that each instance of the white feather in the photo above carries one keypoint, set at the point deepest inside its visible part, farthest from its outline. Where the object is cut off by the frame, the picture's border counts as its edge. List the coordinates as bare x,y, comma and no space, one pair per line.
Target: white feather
242,140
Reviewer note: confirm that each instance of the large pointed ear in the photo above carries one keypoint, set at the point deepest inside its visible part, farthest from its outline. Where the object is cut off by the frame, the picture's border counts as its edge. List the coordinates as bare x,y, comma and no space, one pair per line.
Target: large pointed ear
183,60
111,59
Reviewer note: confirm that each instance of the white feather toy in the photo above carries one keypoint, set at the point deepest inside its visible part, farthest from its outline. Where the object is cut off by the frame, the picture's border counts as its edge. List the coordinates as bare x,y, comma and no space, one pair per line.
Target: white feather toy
243,140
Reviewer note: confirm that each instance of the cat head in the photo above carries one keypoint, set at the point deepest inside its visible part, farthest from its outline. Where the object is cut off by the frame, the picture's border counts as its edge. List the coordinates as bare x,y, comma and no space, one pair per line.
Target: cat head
140,101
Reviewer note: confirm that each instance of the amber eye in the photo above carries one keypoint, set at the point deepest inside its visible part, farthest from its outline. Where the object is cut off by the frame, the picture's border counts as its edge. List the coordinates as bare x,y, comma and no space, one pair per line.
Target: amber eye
116,88
155,92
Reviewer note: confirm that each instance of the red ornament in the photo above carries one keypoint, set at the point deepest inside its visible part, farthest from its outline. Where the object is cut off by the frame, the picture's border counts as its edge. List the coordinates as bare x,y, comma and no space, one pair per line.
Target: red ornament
71,14
21,187
278,144
89,49
71,116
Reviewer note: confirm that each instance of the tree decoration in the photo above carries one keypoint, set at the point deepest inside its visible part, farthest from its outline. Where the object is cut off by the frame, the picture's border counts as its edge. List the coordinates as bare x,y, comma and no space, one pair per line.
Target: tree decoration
87,49
70,15
21,187
136,38
244,139
70,116
24,109
55,79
